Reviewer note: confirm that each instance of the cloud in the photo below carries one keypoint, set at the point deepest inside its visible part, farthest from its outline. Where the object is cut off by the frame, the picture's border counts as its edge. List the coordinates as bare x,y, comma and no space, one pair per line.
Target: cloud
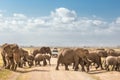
61,25
59,20
63,15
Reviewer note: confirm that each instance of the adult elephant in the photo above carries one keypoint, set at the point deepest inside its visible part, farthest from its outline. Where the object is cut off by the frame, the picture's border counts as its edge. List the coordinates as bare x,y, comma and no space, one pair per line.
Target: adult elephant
66,57
7,56
16,56
83,61
86,58
95,58
42,50
11,56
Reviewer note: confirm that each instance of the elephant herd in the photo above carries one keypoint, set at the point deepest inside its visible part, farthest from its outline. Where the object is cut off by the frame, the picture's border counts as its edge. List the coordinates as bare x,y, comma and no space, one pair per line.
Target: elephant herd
99,58
13,56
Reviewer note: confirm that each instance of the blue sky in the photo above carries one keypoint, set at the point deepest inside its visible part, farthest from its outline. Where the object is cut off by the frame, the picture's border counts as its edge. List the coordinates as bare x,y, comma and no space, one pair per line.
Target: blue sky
60,22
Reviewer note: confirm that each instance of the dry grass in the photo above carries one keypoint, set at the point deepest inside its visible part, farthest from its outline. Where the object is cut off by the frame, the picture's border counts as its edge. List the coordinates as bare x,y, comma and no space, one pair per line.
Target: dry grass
4,74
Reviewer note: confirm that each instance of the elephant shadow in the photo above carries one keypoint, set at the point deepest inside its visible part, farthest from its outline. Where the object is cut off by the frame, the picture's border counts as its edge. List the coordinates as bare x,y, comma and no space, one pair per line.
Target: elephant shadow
97,71
33,70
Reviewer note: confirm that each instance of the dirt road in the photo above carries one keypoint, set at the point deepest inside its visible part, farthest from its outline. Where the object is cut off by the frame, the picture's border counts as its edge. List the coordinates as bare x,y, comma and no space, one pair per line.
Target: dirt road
49,73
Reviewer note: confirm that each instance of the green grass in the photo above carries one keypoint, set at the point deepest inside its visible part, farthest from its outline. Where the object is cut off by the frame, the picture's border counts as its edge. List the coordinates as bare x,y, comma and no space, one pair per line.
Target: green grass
4,74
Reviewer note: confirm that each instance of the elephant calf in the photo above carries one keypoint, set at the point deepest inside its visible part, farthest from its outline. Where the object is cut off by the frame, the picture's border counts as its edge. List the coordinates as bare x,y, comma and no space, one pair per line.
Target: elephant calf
111,60
40,57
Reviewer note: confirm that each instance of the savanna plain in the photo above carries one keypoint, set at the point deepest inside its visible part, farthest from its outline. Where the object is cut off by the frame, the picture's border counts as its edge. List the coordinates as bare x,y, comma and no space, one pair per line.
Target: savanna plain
48,72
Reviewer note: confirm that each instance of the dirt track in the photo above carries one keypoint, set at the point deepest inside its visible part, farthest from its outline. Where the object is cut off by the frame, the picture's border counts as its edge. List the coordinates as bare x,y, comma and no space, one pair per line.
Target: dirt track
49,73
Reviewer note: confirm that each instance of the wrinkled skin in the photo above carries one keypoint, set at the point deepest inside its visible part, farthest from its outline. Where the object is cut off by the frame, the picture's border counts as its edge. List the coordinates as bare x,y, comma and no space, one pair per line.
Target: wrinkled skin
66,57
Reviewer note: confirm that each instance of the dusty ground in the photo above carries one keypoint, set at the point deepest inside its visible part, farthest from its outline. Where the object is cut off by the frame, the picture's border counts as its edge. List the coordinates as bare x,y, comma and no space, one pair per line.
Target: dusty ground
49,73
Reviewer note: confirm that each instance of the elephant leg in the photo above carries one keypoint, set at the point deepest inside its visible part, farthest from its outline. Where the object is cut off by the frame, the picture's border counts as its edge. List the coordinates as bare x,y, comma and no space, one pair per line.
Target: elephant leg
12,63
49,62
66,67
15,67
35,62
100,63
113,67
82,66
44,62
73,65
4,61
87,66
107,67
97,65
39,63
7,63
76,63
57,67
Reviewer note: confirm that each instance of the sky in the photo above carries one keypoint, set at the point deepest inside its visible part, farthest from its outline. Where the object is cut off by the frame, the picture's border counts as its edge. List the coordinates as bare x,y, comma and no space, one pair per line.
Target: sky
60,22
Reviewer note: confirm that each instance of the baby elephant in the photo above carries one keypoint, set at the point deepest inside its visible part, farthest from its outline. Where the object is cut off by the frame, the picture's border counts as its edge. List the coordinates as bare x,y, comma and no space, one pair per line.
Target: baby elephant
113,61
39,58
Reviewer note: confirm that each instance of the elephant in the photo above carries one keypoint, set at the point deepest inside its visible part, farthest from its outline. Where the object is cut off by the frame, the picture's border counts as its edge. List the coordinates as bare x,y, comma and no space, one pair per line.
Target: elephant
7,56
10,55
95,58
26,57
42,50
111,60
66,57
16,56
38,58
86,58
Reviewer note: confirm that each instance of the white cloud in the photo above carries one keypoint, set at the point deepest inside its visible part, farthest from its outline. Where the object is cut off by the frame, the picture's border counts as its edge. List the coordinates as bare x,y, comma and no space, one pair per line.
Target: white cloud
62,19
118,20
63,15
61,23
20,16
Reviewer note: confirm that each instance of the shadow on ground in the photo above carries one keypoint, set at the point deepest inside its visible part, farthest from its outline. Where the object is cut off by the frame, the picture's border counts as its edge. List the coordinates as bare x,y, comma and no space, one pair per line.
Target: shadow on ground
33,70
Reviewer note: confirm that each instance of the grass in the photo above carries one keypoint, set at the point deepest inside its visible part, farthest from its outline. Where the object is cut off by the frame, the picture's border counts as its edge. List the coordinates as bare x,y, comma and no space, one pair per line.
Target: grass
4,74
